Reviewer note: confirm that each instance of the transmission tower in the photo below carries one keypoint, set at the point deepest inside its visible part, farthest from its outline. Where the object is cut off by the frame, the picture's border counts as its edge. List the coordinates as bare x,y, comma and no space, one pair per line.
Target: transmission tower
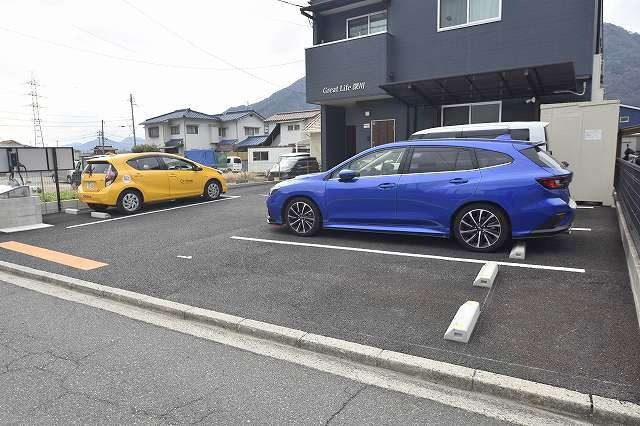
35,106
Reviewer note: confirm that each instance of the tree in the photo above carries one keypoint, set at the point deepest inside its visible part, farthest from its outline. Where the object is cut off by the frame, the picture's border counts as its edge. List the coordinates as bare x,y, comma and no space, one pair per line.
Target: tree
145,148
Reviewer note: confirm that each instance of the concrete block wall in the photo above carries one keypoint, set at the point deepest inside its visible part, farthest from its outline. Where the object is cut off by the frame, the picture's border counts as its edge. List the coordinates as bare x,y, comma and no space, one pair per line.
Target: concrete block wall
20,211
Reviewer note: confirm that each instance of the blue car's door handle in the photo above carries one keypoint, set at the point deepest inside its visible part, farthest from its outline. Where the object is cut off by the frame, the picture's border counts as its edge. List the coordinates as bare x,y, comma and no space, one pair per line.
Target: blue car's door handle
458,181
387,185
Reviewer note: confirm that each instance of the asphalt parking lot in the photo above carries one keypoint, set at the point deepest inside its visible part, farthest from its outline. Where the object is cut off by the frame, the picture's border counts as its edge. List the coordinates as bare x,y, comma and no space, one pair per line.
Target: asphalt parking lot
564,316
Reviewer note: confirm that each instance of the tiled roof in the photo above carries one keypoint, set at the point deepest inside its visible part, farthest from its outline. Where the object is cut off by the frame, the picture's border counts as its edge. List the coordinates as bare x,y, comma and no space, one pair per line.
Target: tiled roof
11,144
253,141
314,125
228,142
293,116
180,113
196,115
236,115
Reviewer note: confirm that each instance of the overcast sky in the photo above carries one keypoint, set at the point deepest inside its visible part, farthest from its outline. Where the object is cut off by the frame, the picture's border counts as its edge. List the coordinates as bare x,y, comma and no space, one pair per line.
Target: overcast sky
88,55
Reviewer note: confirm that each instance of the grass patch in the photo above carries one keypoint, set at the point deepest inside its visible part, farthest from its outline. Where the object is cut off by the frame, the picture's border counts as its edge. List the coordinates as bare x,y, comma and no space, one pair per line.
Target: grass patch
64,195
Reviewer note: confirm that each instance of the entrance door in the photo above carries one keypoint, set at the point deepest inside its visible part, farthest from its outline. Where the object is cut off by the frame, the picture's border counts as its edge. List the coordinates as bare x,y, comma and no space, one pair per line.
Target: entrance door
350,142
382,132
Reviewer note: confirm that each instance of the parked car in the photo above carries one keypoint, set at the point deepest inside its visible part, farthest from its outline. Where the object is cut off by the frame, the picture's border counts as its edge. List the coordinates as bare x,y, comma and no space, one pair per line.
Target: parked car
528,131
292,165
234,164
127,181
480,192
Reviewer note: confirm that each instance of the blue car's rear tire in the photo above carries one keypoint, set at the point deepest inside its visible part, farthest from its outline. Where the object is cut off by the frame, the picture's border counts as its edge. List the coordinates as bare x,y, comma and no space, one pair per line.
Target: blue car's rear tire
302,217
481,227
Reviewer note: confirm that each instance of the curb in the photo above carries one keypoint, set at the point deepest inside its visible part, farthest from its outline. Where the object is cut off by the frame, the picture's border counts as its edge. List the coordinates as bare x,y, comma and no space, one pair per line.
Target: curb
524,391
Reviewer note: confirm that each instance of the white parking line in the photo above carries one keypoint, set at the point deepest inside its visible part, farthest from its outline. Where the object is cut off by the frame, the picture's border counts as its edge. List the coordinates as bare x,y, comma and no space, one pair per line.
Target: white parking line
581,229
152,212
263,195
417,255
586,207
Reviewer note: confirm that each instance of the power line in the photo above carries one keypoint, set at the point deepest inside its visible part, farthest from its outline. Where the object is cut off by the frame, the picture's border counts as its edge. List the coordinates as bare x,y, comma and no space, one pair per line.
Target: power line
113,43
192,44
290,4
140,61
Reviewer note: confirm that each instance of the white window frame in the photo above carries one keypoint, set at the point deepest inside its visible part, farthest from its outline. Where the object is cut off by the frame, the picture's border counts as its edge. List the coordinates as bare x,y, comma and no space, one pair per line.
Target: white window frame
368,16
469,24
195,126
443,107
171,129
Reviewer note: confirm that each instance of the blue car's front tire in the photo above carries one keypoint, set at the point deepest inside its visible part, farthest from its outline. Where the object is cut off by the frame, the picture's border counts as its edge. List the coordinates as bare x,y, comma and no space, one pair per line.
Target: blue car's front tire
302,217
481,227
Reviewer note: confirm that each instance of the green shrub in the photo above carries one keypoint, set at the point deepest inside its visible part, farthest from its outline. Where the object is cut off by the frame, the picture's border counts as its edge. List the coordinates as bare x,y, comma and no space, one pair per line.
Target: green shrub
145,148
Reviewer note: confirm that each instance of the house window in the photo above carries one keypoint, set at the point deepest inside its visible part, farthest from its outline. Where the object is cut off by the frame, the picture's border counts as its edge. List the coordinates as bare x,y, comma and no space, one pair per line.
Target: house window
292,127
484,112
175,130
251,131
222,132
154,132
266,129
260,155
192,130
368,24
462,13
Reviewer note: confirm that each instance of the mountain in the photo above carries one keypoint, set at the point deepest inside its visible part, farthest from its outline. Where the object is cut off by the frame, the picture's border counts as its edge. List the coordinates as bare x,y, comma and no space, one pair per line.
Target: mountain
122,146
129,140
622,64
292,98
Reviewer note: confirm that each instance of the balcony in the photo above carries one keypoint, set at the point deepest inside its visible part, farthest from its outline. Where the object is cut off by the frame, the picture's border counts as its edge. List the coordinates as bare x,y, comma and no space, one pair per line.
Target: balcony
348,69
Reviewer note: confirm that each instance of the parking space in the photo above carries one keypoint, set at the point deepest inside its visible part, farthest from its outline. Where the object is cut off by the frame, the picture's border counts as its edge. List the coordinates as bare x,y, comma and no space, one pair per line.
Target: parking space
562,316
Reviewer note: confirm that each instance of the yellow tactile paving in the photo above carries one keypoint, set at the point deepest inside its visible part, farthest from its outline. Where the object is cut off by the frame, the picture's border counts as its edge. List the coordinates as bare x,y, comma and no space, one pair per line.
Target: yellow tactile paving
53,256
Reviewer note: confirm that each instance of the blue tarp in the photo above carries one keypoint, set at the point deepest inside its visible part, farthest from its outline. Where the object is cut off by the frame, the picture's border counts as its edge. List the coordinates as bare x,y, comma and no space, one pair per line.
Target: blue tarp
206,157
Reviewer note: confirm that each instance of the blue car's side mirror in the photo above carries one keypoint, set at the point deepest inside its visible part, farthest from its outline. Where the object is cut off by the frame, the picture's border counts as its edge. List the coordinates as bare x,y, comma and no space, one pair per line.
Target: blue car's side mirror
348,175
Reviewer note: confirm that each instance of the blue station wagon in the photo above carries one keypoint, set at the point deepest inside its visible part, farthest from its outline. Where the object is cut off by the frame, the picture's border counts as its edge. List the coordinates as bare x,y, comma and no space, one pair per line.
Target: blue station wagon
480,192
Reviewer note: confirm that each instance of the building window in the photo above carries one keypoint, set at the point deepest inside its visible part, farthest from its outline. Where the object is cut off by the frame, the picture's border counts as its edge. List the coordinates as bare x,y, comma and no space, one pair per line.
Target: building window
252,131
154,132
222,132
266,129
484,112
260,155
368,24
624,119
461,13
192,130
175,130
292,127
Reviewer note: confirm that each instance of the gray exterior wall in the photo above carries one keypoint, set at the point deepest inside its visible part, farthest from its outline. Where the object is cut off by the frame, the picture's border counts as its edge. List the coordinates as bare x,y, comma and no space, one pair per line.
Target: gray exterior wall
530,33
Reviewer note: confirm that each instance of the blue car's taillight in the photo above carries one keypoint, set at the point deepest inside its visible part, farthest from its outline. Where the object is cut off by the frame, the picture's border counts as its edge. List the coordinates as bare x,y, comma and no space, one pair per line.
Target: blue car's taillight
555,182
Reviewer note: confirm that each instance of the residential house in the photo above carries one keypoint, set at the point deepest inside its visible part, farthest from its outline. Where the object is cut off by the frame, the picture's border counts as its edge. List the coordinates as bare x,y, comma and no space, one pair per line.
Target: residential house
288,128
186,129
382,70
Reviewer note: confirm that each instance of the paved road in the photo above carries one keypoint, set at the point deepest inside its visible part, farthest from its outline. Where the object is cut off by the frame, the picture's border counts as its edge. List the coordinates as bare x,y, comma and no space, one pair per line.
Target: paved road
565,329
64,363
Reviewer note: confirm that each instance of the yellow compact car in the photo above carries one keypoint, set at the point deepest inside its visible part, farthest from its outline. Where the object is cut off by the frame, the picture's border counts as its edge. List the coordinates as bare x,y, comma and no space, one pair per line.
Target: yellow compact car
127,181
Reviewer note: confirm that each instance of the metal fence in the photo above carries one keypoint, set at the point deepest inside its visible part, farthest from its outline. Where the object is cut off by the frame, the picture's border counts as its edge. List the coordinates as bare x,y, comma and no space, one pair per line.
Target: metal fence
627,184
43,185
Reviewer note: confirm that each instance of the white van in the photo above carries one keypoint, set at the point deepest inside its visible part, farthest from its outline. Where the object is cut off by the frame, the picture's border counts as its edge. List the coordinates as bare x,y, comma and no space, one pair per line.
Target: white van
529,131
234,164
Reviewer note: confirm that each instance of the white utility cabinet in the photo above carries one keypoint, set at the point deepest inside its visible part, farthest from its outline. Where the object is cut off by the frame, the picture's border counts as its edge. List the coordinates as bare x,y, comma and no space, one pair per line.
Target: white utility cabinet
585,134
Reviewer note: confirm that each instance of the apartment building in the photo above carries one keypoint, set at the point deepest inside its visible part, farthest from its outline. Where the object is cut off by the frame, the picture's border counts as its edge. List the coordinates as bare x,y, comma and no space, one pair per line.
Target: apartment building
381,70
186,129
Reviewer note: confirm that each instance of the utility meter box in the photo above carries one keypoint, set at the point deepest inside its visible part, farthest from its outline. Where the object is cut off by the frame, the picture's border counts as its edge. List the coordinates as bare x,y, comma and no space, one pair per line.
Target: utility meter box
585,135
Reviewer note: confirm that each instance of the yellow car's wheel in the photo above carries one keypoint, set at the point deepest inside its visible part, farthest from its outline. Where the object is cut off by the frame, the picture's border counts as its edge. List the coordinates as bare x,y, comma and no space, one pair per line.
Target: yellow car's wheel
212,190
130,201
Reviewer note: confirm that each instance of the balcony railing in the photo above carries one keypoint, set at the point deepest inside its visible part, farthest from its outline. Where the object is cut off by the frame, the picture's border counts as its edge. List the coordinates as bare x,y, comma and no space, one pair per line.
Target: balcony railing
351,68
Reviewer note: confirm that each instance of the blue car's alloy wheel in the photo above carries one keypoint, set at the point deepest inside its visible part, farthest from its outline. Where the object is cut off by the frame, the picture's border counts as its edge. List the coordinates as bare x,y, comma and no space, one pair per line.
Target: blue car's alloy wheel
481,228
303,218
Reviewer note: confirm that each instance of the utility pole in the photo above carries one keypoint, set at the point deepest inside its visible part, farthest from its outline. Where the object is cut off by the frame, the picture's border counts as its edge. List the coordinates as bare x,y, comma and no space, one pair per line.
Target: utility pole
102,134
133,122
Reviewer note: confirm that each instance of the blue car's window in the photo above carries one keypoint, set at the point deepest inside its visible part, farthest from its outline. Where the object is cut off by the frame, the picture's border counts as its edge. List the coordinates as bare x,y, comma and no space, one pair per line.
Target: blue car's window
541,158
383,162
488,158
440,159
